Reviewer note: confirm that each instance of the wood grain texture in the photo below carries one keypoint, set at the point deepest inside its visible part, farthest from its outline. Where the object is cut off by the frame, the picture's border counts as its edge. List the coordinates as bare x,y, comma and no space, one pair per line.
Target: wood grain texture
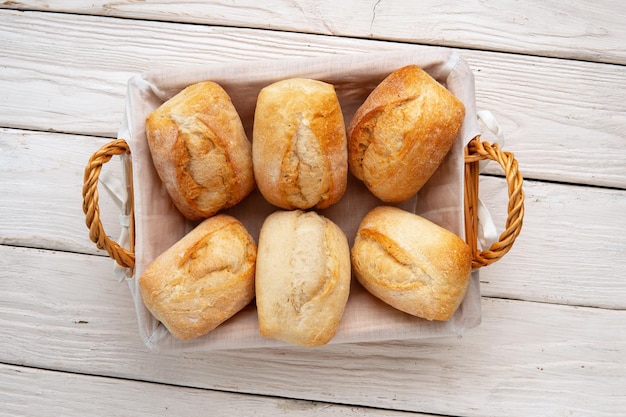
540,359
42,180
571,249
584,30
82,64
33,392
73,80
552,340
562,120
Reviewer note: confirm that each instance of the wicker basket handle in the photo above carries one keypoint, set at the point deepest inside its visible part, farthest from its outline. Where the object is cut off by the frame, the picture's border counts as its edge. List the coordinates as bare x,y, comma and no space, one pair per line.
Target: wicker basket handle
123,257
474,153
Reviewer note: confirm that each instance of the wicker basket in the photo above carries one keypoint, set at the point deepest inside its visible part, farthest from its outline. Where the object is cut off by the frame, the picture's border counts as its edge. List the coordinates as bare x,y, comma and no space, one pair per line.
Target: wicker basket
450,198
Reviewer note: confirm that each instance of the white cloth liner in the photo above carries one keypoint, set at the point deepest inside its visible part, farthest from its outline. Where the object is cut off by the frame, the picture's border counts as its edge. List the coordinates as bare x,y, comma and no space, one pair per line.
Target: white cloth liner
158,224
487,232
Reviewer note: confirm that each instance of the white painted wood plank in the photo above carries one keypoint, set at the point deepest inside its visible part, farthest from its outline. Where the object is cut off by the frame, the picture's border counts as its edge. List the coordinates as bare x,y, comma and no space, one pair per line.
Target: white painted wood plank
33,392
582,30
563,120
524,359
82,64
571,249
41,188
73,80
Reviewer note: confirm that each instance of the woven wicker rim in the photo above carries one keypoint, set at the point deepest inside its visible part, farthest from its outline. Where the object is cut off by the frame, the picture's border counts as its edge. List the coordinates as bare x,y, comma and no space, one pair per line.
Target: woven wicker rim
123,257
474,153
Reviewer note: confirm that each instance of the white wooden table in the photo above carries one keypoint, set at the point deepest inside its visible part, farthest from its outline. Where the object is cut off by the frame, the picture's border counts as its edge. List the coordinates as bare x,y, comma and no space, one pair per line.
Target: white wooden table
553,336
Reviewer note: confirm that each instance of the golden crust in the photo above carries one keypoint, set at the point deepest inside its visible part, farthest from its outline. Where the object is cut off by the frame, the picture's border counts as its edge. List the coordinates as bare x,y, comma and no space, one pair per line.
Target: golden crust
203,279
411,263
299,145
401,133
302,278
200,150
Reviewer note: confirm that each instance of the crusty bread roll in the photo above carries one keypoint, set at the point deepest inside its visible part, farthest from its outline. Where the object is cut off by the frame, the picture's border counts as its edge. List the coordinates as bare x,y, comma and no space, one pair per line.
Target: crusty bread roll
302,277
411,263
200,150
299,145
401,133
203,279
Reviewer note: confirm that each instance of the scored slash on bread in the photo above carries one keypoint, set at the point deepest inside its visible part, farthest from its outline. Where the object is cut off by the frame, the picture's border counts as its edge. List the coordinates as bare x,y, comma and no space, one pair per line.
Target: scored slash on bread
411,263
203,279
402,132
299,145
302,277
200,150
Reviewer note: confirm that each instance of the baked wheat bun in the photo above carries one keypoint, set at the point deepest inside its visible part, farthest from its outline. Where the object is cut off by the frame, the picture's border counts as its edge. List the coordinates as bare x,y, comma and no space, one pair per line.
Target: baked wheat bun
299,145
302,278
402,132
203,279
200,150
411,263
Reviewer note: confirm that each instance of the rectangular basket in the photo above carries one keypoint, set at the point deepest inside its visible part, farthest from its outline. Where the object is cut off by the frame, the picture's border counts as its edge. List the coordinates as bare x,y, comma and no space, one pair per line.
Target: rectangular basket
449,198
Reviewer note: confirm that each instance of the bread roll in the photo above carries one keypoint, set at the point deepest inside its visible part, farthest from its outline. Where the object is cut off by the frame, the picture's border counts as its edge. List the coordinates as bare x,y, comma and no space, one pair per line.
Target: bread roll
203,279
200,150
302,278
411,263
299,145
402,132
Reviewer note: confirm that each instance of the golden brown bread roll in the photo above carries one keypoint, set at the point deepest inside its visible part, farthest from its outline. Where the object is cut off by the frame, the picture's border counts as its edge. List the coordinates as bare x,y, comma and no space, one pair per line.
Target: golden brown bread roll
411,263
299,144
402,132
200,150
203,279
302,278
